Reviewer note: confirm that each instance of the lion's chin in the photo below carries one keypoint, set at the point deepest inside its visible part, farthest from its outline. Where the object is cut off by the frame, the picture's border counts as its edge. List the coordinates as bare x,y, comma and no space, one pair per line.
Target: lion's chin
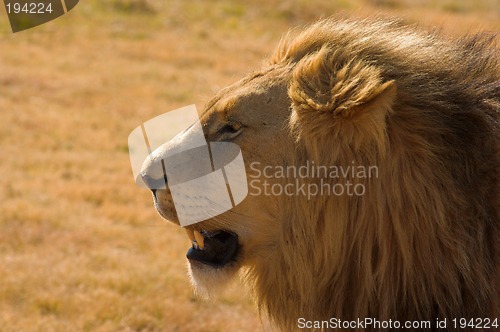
210,282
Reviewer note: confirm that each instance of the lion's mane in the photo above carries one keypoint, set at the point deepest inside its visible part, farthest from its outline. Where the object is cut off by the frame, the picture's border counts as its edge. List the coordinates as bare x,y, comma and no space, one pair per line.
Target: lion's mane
423,242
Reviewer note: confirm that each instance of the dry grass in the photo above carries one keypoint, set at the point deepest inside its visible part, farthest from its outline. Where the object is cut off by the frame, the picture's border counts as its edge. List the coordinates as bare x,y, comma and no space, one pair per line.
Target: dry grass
81,247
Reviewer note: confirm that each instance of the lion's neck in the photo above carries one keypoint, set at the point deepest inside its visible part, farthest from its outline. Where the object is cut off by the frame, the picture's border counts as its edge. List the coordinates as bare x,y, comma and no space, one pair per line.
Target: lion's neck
381,257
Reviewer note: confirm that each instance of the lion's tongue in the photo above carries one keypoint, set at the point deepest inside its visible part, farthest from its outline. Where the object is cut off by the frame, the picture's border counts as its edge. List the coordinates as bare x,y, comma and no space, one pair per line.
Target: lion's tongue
219,248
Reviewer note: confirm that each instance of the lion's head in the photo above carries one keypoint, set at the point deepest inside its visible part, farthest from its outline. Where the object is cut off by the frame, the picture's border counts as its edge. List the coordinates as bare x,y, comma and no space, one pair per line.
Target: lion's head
419,238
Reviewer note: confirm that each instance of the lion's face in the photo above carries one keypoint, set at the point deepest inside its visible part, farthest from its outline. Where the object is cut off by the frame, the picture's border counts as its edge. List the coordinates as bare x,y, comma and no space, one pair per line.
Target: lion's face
253,114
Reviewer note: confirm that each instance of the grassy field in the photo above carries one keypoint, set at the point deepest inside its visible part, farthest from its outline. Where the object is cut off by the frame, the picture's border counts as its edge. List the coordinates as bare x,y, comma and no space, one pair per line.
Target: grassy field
81,247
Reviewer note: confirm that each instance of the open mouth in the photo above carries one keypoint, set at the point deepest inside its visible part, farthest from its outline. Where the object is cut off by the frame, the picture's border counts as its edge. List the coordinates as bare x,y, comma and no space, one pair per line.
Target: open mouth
215,249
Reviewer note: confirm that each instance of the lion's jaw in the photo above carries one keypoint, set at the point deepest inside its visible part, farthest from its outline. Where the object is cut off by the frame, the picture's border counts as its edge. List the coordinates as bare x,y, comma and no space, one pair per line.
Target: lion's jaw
209,276
254,251
208,279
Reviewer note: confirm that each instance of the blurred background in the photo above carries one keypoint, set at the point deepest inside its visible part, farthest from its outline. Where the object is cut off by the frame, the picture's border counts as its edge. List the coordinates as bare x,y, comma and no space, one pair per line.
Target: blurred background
81,247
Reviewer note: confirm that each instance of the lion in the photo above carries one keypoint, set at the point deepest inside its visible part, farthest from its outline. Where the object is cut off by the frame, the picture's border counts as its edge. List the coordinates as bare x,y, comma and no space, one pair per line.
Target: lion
420,240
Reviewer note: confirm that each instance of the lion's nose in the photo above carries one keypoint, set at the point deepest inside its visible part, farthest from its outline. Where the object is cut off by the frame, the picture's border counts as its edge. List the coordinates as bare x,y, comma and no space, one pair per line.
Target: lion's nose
153,183
153,173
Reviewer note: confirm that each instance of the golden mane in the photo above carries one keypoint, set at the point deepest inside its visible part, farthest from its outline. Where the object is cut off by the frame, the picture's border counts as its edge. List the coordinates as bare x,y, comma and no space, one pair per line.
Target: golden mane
423,243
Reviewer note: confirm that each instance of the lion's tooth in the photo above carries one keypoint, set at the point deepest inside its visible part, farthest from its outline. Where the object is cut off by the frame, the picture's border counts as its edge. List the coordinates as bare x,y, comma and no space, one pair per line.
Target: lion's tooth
199,239
190,234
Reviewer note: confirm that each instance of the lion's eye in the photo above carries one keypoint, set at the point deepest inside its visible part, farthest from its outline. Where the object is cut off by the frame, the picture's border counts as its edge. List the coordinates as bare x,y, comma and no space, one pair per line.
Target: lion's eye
231,128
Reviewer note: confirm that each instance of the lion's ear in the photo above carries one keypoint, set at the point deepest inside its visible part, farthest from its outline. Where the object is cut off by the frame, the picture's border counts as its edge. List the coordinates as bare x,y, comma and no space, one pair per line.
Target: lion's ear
346,97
